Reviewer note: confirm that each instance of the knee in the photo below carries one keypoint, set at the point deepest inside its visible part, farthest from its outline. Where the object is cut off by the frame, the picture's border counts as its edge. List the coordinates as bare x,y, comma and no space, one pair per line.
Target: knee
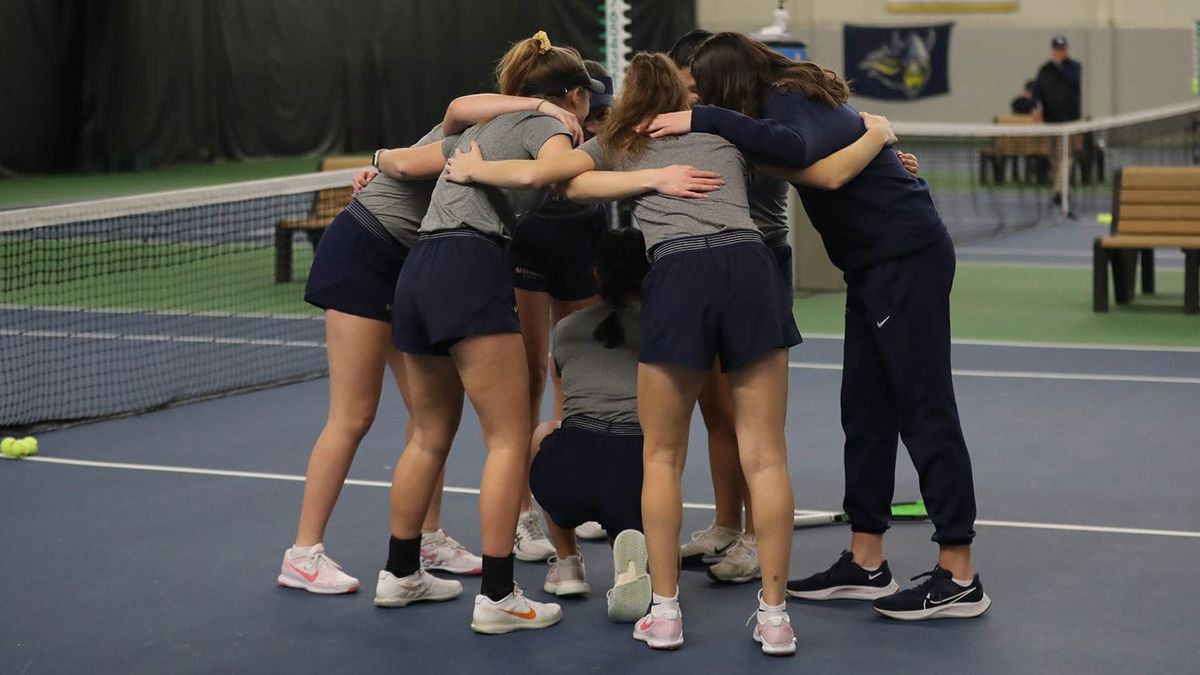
663,456
758,458
537,376
355,423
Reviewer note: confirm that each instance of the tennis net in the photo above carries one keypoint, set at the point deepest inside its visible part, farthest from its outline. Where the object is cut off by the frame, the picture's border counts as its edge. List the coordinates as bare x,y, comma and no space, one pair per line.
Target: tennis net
125,305
992,178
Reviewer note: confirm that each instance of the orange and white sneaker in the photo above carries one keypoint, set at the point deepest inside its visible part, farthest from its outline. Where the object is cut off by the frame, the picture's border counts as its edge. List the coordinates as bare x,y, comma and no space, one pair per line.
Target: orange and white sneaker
773,629
662,628
420,586
513,612
441,553
308,568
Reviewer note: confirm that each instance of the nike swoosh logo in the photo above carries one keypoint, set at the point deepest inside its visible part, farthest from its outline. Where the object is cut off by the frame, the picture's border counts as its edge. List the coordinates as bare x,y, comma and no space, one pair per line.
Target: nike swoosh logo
872,577
879,324
646,625
949,599
307,577
528,614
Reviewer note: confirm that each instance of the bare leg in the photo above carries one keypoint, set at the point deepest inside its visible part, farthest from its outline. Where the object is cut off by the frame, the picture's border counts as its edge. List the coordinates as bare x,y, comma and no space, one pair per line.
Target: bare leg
433,516
760,407
492,367
436,395
533,309
563,539
716,407
666,397
957,561
357,349
867,549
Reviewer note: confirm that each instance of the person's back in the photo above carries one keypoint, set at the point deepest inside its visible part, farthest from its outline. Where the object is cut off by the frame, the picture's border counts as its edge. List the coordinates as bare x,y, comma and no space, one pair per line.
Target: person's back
598,382
884,212
518,135
400,205
663,217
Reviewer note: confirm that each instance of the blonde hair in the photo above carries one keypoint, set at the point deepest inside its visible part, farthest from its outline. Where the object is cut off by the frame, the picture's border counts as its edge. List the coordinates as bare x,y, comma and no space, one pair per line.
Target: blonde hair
532,61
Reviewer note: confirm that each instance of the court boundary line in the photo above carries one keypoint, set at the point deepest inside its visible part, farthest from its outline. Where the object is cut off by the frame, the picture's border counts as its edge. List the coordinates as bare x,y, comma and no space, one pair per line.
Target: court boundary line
1021,344
154,337
123,311
260,475
1028,375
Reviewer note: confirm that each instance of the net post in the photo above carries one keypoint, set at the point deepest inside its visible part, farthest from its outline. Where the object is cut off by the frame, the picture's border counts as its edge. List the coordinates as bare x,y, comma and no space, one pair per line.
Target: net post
1064,172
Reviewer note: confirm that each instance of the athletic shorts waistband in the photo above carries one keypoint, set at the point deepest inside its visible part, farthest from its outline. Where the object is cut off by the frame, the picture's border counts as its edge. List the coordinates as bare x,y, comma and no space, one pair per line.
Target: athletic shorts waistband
459,232
704,241
600,426
363,216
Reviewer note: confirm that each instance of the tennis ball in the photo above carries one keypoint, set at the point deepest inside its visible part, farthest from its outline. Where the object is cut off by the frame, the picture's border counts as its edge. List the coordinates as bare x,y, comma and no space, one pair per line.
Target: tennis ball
1104,218
29,446
1195,86
8,447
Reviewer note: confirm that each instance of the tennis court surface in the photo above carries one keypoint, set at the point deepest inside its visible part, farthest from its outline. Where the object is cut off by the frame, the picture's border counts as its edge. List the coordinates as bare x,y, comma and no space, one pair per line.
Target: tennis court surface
151,543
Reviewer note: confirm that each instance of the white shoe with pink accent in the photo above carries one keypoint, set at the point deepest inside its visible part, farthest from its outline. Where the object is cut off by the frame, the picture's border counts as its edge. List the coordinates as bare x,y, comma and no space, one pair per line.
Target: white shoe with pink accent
308,568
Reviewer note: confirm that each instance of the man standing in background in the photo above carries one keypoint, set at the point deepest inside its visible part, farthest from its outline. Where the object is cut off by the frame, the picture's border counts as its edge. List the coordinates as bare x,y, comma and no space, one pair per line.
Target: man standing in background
1057,93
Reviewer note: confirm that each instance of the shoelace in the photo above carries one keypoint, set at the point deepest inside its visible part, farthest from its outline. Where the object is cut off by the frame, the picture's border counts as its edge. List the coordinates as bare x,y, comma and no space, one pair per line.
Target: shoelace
836,567
922,588
741,551
777,620
531,528
452,543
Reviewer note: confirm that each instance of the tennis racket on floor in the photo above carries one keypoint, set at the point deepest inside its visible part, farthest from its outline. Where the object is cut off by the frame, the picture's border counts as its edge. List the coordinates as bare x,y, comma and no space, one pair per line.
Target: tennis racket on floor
901,511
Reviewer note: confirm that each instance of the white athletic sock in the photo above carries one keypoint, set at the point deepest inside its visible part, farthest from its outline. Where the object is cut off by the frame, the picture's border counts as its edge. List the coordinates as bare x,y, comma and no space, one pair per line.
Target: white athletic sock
870,569
301,551
965,584
660,604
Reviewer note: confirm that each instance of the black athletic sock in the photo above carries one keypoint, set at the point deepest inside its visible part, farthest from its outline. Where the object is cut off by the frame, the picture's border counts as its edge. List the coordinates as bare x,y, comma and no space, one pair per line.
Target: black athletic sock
404,556
497,577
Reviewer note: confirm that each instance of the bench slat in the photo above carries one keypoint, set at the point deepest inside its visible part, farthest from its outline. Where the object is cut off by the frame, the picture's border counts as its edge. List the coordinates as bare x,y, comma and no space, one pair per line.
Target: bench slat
1160,178
1160,211
1162,227
1145,241
1159,197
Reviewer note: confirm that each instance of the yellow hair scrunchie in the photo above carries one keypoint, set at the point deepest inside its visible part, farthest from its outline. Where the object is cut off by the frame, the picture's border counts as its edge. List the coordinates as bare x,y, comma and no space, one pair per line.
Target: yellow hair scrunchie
543,41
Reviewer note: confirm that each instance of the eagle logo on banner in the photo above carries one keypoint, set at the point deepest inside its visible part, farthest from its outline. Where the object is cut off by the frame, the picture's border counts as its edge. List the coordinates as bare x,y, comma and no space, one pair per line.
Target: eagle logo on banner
903,63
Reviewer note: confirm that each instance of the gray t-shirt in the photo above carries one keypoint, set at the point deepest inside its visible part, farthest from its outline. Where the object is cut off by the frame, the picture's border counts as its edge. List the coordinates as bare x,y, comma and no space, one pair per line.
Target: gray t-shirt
662,217
768,206
399,204
518,135
598,382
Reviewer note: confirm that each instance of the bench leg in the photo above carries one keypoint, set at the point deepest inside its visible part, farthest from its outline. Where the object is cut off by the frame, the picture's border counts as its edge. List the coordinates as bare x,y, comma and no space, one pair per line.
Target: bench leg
283,256
1191,282
1123,268
1099,278
1148,271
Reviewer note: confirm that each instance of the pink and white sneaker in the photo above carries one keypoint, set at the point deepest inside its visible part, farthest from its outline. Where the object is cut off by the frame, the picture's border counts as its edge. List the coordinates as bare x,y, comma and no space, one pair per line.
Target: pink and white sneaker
440,552
308,568
773,629
662,628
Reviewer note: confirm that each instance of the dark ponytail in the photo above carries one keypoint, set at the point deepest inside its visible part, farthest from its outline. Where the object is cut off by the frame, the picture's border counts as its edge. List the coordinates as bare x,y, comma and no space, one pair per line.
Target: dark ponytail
621,265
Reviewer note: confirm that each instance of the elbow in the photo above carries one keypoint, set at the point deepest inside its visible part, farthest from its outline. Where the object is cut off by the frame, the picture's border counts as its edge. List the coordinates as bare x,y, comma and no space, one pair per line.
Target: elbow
529,179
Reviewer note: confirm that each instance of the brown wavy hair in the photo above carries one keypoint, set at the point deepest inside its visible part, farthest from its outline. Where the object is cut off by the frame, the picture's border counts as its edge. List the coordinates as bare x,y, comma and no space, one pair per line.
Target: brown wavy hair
732,71
651,86
529,62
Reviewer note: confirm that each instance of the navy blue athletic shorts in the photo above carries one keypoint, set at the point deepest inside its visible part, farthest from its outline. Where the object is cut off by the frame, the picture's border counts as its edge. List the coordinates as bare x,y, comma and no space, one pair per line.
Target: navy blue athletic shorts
715,295
556,256
455,284
590,470
783,255
355,270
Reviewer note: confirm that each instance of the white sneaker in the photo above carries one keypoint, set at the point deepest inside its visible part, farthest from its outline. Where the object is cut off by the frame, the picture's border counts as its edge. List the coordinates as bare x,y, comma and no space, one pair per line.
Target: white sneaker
591,531
740,563
661,629
773,629
531,544
391,591
513,612
708,546
566,576
440,551
314,572
629,598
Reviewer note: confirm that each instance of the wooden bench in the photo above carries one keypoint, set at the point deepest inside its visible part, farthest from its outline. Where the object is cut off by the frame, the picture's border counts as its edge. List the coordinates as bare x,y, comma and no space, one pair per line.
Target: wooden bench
1030,155
1153,207
326,205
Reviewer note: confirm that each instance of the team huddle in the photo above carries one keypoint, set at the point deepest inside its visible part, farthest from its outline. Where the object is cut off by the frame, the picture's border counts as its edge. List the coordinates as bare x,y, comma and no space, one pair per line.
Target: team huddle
463,260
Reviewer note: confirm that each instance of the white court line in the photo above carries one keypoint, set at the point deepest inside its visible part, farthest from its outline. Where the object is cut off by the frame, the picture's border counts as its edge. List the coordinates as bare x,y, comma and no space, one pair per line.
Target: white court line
1030,375
70,309
474,491
1096,346
150,337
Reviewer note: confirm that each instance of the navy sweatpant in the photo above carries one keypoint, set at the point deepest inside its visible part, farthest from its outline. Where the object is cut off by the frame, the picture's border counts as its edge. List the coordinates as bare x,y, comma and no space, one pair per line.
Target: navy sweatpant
896,382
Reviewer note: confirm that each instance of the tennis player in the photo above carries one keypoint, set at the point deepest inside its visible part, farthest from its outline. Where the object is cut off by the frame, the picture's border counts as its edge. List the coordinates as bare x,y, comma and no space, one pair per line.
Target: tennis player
883,231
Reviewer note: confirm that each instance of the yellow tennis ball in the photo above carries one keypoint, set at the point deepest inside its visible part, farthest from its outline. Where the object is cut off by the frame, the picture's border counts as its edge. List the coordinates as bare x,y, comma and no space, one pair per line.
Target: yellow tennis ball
1104,218
8,447
29,446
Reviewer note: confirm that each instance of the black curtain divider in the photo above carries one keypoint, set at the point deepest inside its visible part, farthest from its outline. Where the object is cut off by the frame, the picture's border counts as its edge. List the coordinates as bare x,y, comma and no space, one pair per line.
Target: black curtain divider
117,84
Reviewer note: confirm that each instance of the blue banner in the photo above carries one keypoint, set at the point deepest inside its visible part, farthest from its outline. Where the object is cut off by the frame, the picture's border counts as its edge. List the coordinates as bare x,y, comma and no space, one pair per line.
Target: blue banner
898,63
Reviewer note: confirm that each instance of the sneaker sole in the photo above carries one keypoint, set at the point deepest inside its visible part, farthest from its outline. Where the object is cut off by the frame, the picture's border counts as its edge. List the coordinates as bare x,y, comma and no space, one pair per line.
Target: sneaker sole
847,592
302,586
733,580
472,572
528,557
772,650
567,589
958,610
402,602
502,628
655,644
629,601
